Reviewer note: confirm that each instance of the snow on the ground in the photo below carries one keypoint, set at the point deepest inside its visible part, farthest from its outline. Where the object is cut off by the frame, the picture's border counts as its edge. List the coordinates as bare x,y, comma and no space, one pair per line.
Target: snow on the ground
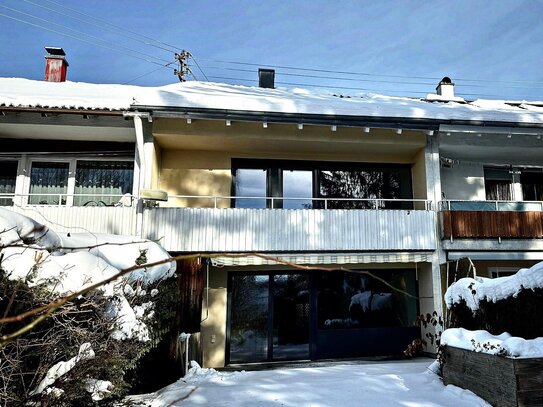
390,384
482,341
19,92
474,290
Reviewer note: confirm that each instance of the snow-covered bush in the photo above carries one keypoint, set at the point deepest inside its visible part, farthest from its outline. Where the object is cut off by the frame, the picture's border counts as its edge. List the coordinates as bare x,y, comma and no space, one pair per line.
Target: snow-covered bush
508,304
83,353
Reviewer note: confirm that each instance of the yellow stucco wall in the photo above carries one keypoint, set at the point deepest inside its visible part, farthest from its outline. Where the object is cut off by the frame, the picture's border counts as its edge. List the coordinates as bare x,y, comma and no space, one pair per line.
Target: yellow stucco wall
213,327
196,158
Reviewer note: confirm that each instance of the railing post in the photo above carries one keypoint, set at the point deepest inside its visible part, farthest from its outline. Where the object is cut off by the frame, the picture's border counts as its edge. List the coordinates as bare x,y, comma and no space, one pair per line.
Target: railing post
325,203
497,207
215,200
59,199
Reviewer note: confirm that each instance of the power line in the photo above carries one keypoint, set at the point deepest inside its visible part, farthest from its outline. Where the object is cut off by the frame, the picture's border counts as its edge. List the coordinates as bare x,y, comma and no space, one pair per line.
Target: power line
79,39
348,88
198,65
105,24
367,80
148,73
306,69
83,33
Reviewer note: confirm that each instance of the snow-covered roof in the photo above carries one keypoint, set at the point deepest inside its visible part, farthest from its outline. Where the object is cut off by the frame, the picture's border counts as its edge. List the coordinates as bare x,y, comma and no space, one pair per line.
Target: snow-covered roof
18,92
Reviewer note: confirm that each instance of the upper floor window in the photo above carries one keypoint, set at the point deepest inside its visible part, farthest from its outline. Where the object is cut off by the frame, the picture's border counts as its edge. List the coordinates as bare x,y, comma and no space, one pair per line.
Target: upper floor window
498,184
532,185
8,176
303,185
80,182
102,183
48,183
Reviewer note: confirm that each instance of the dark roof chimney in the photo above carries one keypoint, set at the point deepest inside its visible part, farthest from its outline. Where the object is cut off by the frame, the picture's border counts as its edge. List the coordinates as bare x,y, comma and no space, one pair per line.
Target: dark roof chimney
56,65
266,78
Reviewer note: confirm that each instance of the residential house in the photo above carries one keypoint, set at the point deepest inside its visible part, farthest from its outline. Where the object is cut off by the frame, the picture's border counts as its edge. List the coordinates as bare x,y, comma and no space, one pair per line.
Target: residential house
285,188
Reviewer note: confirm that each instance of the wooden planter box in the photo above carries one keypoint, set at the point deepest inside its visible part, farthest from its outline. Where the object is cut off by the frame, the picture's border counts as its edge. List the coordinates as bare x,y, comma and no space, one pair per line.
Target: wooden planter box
501,381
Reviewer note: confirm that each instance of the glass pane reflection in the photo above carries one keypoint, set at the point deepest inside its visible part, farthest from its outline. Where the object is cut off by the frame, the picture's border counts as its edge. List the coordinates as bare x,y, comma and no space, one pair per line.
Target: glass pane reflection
297,184
249,319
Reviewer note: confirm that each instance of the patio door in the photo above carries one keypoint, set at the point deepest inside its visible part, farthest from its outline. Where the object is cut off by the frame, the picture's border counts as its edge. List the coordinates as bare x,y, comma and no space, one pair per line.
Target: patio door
268,317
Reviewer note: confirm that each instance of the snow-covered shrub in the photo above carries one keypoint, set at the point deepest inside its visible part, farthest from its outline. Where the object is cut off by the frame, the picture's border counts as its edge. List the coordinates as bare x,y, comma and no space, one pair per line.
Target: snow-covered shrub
508,304
84,352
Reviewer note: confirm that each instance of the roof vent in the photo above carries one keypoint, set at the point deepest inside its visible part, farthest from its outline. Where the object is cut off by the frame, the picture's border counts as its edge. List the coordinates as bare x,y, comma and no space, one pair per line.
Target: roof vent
266,78
56,65
445,88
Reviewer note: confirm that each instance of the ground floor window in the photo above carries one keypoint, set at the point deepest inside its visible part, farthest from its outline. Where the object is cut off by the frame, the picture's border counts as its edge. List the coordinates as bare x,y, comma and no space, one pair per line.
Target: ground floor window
358,300
283,315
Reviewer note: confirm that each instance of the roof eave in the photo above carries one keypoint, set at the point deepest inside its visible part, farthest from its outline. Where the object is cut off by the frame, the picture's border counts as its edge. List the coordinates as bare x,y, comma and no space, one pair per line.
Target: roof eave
319,119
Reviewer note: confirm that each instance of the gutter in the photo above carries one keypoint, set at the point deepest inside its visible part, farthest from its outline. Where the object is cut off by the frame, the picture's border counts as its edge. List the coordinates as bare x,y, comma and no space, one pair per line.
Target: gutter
320,119
94,112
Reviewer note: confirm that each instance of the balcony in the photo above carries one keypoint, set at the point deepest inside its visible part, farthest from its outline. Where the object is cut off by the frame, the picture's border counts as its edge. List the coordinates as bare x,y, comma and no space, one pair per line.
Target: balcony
222,229
92,216
491,219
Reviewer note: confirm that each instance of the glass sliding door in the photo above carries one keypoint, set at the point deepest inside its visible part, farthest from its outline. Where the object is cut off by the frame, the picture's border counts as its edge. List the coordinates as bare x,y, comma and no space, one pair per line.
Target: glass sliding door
249,318
290,316
269,317
250,184
297,184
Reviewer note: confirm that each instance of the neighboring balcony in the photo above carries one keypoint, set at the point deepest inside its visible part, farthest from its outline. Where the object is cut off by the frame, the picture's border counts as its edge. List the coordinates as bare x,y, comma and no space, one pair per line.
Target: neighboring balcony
364,225
104,213
491,219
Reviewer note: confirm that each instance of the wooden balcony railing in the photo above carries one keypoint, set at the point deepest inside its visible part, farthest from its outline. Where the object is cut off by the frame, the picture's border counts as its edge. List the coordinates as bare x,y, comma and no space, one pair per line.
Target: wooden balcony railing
492,224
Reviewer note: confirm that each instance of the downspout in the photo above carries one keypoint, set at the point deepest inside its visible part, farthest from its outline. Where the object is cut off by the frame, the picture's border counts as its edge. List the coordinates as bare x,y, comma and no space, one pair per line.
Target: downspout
138,128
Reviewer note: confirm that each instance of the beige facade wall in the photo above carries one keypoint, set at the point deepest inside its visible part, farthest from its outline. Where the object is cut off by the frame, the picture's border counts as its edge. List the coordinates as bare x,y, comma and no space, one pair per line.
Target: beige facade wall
213,327
196,158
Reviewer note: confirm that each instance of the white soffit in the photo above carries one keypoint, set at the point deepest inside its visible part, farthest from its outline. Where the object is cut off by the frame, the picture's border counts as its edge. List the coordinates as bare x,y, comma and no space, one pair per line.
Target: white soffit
325,259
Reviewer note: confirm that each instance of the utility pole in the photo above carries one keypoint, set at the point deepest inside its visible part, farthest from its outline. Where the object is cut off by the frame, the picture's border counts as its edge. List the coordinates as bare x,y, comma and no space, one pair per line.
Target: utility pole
183,70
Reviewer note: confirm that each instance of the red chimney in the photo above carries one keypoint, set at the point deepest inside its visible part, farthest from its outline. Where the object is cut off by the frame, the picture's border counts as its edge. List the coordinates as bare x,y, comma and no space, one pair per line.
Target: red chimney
55,65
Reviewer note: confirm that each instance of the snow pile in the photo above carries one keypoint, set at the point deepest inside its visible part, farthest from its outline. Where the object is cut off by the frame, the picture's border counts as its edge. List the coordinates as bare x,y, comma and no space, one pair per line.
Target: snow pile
68,263
19,92
61,368
482,341
197,374
98,388
473,291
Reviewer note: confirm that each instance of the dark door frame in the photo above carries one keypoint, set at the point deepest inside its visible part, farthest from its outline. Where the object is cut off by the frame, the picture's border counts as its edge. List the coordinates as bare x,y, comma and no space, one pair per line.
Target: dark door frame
270,274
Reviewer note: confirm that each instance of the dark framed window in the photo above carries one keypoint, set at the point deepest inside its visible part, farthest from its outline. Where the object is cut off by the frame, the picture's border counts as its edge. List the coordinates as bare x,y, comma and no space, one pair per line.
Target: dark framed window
532,185
48,183
8,176
102,183
295,184
498,184
348,300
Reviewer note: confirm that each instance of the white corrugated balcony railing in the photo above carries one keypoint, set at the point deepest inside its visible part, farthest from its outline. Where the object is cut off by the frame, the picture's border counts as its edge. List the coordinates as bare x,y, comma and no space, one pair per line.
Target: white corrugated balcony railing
94,214
215,229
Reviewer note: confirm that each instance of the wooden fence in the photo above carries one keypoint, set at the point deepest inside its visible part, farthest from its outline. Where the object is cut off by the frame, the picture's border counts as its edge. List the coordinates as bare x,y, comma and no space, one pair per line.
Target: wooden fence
501,381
